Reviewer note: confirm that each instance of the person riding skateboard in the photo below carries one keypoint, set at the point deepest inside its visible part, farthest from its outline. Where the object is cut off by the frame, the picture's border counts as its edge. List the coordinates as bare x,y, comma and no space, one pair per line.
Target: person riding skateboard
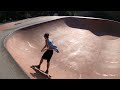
49,51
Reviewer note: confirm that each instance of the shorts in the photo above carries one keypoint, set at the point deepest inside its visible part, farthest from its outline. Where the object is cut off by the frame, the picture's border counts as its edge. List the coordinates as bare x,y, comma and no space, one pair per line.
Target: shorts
47,55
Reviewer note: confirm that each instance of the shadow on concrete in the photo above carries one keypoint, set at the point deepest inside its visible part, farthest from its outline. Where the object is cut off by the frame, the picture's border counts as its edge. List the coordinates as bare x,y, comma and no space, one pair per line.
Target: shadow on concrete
97,27
39,75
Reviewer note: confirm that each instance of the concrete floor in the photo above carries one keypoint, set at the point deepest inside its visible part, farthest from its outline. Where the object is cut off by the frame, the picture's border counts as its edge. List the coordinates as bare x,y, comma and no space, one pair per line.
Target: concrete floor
89,47
9,68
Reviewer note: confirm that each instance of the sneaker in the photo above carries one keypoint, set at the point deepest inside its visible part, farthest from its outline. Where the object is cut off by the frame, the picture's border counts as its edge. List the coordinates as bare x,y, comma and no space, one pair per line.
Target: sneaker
46,71
38,66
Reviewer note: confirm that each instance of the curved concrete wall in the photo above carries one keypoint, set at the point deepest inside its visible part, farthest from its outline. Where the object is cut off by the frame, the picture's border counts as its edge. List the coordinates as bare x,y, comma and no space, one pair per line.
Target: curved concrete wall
89,48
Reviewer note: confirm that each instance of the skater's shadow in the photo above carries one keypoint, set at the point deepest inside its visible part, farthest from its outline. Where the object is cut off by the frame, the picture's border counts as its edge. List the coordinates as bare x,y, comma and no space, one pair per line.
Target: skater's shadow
39,75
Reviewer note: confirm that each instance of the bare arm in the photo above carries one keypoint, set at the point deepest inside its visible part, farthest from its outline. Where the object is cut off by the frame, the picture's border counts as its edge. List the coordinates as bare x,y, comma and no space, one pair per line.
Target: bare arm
46,45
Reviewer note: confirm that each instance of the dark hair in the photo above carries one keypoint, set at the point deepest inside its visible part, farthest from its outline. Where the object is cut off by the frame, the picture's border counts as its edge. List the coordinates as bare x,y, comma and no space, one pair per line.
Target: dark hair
46,35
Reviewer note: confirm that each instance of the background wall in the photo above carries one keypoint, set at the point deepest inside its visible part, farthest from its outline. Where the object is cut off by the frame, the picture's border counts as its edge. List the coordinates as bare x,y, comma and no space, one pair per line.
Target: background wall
8,16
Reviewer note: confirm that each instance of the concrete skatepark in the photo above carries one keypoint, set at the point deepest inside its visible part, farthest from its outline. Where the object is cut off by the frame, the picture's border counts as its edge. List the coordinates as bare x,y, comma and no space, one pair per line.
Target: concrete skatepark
89,48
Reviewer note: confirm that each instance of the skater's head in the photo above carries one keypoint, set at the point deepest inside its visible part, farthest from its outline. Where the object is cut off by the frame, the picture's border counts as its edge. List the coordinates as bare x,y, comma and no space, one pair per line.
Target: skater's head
46,35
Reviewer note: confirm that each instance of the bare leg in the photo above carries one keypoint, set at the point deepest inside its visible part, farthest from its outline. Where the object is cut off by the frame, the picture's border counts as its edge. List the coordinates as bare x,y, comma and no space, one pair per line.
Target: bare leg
48,65
41,61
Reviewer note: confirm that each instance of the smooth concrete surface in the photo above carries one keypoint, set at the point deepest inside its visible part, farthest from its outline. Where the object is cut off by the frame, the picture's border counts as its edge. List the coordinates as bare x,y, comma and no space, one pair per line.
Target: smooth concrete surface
9,68
89,47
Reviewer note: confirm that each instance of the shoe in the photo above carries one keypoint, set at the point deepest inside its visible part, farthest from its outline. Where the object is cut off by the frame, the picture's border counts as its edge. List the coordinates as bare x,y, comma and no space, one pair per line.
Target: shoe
46,71
38,66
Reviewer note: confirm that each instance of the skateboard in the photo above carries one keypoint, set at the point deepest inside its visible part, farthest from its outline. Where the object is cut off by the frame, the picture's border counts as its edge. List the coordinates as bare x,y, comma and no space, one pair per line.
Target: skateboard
41,71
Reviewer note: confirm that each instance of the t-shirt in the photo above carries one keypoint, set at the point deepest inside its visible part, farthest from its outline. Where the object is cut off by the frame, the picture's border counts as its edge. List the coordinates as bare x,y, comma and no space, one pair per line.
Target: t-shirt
52,45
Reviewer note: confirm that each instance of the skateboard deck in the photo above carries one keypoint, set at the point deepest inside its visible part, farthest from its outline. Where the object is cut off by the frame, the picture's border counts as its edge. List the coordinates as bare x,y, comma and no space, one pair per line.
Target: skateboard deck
41,71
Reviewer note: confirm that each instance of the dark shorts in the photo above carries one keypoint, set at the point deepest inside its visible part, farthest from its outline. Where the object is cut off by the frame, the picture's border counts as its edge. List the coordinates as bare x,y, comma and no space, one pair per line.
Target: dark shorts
47,55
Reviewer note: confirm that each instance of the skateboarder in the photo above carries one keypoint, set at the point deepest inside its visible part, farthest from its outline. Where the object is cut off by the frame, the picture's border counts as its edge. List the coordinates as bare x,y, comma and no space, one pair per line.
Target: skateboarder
50,46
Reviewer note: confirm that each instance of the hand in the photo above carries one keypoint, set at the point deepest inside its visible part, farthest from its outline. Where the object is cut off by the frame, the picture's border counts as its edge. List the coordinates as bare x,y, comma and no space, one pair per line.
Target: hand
43,50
